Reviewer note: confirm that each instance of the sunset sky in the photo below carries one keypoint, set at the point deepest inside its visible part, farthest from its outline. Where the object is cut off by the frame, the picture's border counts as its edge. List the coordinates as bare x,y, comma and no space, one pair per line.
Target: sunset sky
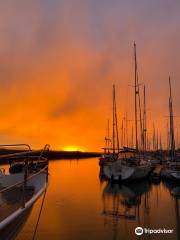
59,59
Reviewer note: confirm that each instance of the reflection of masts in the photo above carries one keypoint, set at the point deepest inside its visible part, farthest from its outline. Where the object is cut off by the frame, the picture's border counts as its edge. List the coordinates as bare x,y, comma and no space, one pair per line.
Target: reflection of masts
171,120
115,124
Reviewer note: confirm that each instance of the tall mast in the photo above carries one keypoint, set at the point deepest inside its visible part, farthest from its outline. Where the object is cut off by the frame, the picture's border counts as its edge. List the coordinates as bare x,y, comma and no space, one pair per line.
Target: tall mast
108,135
154,138
122,134
157,140
135,96
167,135
113,133
171,119
115,124
140,115
160,142
144,122
127,139
132,137
107,138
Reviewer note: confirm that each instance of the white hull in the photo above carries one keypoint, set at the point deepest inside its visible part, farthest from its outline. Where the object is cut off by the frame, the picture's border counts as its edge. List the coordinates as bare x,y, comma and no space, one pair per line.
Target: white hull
117,172
39,183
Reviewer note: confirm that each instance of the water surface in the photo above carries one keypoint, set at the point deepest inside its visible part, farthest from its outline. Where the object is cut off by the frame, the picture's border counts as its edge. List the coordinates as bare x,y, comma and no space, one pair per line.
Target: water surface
79,206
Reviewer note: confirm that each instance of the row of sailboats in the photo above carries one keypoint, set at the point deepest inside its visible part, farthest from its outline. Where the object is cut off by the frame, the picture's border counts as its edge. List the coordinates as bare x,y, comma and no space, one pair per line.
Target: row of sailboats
128,164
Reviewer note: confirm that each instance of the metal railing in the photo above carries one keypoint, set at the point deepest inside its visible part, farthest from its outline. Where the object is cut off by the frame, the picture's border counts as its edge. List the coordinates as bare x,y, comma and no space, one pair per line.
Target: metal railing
24,153
22,185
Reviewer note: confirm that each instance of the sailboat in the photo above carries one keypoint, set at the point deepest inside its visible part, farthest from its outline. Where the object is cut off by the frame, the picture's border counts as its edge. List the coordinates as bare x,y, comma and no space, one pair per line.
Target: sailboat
130,165
171,170
111,152
107,155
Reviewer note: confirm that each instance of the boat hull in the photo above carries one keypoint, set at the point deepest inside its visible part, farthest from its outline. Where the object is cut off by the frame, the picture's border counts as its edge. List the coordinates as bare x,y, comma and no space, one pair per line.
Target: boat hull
171,174
118,172
39,185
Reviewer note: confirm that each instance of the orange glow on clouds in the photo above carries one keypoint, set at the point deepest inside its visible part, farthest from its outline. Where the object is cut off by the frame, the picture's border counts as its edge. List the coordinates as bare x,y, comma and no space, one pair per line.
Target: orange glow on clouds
58,62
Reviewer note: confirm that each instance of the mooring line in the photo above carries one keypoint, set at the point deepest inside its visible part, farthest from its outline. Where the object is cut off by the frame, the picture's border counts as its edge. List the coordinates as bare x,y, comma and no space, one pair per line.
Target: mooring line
35,230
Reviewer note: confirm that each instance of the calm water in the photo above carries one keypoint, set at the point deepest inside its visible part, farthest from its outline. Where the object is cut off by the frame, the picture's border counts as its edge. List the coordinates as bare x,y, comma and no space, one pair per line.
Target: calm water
79,206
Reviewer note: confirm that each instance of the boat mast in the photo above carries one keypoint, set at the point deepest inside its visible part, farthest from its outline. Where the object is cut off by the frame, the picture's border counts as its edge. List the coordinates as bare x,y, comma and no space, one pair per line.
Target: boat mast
140,115
160,142
154,138
144,123
132,137
113,133
115,124
122,133
135,96
107,138
127,138
171,119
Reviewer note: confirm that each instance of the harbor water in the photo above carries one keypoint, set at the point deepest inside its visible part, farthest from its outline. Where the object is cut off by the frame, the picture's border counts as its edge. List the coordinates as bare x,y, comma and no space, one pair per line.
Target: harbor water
79,206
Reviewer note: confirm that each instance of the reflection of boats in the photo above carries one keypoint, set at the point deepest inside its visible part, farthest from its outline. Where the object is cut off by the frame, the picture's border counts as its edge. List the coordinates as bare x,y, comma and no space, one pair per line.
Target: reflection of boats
122,203
20,189
123,200
174,188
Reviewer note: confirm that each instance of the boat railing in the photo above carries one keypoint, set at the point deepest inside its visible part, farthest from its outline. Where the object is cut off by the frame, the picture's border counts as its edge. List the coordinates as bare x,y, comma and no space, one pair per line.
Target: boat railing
30,154
16,145
43,170
21,195
15,195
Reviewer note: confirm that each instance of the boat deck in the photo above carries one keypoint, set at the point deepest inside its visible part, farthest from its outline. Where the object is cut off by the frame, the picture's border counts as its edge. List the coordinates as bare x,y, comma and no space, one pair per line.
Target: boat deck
13,199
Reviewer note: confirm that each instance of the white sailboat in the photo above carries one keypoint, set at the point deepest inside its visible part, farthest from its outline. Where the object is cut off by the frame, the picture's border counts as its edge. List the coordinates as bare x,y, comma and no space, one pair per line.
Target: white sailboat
130,165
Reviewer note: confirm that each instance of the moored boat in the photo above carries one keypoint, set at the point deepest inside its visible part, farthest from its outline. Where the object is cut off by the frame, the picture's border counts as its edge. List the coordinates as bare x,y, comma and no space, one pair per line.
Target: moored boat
20,189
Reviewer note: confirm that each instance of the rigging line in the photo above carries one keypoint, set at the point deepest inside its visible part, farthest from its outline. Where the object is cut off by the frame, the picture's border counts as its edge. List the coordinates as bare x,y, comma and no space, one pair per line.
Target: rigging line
35,230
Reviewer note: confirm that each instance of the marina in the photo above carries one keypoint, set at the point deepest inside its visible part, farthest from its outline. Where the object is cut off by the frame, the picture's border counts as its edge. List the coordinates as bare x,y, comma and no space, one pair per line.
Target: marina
84,207
89,120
